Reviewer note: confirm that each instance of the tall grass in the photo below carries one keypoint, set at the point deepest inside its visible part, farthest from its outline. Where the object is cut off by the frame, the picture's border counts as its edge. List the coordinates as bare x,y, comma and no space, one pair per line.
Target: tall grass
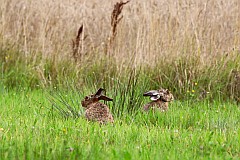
53,53
186,78
168,44
148,30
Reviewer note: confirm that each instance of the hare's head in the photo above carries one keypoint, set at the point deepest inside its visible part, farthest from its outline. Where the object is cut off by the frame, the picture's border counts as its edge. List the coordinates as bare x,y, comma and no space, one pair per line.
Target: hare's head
161,94
95,98
166,95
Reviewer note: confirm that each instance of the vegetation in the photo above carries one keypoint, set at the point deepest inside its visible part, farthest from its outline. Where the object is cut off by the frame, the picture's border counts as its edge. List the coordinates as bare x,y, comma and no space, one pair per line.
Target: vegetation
32,129
53,53
172,45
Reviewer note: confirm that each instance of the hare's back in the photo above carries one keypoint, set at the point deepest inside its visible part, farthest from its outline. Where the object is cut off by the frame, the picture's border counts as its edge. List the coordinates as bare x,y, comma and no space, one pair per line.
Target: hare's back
156,105
99,112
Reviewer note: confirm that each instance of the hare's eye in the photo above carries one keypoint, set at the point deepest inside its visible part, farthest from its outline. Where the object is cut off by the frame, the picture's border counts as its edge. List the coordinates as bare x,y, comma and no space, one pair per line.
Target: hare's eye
86,98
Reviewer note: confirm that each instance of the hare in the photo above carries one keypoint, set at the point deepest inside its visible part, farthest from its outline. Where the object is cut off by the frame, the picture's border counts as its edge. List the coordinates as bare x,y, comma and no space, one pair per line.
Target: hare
160,99
95,110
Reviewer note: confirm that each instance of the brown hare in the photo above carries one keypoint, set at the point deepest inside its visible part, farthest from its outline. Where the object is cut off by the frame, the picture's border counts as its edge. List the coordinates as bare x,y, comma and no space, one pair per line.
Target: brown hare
160,99
95,110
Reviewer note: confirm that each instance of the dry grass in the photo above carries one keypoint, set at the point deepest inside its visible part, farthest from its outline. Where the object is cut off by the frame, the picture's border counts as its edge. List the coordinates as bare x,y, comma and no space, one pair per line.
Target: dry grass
115,19
149,30
175,43
76,45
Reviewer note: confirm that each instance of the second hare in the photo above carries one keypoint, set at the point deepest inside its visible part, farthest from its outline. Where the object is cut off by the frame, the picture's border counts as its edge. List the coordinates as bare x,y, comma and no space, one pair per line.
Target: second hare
95,110
159,98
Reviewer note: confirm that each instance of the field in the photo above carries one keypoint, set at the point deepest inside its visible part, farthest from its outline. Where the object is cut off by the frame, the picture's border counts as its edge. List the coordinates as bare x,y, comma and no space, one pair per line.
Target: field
54,53
201,130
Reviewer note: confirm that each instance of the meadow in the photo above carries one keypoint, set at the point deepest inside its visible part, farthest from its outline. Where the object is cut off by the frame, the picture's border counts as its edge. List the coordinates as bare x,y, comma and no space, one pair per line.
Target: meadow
53,53
32,129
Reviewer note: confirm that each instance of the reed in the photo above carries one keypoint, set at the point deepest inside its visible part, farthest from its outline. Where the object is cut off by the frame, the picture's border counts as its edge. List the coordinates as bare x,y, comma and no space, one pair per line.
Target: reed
173,44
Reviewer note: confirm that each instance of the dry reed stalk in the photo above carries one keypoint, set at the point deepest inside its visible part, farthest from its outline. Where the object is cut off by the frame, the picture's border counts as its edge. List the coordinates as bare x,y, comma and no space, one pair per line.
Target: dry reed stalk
75,45
115,19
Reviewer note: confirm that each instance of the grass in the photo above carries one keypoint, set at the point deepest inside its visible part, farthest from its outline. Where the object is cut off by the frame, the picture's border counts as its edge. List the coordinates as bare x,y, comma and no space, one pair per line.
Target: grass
170,44
46,68
31,129
220,78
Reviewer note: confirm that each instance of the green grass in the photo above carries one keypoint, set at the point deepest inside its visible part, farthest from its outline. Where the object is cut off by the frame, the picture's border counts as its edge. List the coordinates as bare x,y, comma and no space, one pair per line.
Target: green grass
220,78
32,129
41,84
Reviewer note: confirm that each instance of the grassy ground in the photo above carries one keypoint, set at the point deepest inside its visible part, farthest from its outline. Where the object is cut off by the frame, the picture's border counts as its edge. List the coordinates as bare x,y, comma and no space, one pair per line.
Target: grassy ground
31,129
190,47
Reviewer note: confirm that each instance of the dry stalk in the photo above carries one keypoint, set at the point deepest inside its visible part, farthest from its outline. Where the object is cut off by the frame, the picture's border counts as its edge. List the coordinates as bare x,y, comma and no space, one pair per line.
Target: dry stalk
76,45
115,19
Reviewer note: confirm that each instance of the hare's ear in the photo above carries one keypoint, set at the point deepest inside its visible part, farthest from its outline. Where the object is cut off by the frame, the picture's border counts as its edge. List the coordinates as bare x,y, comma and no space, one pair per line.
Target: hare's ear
105,98
99,92
167,91
151,93
154,98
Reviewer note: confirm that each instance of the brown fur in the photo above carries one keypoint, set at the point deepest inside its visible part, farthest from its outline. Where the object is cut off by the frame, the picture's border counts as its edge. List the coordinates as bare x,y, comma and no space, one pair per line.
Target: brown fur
99,112
167,95
160,104
95,110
